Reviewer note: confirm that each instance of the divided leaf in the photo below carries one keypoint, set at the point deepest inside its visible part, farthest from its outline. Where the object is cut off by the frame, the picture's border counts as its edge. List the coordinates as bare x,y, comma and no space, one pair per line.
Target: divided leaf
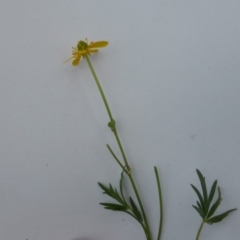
123,206
203,205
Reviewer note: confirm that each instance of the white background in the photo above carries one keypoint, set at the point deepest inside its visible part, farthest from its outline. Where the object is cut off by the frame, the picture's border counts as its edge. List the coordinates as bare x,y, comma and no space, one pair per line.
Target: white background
172,77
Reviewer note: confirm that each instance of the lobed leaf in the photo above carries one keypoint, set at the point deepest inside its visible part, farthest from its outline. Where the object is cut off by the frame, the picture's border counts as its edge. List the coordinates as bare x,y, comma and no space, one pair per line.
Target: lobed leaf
205,201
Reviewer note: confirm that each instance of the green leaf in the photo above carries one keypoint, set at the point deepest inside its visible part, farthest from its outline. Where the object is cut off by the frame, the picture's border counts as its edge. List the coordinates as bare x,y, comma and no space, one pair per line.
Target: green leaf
215,205
199,205
203,184
212,192
121,186
205,201
113,193
114,207
105,189
135,210
200,197
111,188
199,210
118,197
109,191
219,217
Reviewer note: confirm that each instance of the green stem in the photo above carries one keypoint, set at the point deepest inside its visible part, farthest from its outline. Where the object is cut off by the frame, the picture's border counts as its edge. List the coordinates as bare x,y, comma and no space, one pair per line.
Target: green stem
108,110
199,230
99,87
117,160
148,233
122,151
147,229
160,203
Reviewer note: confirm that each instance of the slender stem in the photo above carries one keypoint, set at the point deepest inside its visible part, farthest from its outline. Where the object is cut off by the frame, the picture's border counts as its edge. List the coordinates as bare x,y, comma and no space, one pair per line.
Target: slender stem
122,151
108,110
199,230
146,229
160,203
99,87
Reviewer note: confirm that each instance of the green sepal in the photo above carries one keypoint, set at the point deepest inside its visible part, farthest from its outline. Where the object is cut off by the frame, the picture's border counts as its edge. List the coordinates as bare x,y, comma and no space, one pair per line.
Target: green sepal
81,45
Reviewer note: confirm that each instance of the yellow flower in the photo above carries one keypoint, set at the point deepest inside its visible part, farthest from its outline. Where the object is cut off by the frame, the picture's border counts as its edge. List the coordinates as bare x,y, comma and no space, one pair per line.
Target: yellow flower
83,48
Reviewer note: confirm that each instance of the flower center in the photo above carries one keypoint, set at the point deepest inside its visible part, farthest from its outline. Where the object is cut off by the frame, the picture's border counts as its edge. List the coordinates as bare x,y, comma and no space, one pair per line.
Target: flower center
82,45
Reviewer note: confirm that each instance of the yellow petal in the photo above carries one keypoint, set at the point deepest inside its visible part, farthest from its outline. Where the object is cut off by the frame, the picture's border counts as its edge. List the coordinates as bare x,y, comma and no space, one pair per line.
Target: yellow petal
93,50
76,61
81,52
99,44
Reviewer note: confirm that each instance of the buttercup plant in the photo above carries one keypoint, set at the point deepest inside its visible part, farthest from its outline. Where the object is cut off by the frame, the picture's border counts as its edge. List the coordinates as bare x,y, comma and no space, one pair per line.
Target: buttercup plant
84,50
129,206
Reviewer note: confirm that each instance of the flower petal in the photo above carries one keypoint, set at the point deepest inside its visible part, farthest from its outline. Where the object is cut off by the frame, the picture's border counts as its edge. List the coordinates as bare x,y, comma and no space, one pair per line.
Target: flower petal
76,61
93,50
99,44
76,53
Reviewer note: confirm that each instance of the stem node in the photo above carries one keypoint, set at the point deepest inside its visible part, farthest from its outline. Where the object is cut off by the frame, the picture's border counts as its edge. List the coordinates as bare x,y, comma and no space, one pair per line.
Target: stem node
112,125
